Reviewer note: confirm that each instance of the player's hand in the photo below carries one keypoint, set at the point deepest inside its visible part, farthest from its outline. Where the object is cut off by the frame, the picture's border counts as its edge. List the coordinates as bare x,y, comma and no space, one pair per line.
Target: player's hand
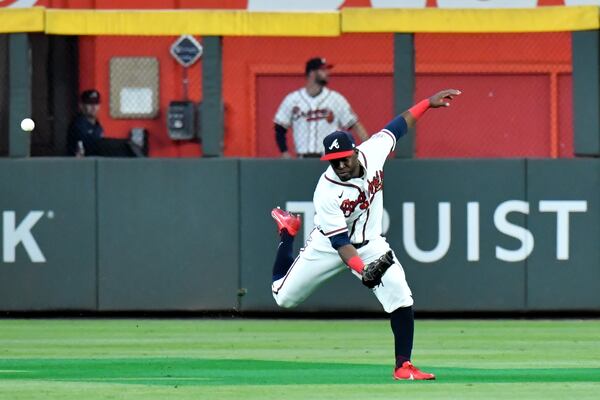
286,155
443,98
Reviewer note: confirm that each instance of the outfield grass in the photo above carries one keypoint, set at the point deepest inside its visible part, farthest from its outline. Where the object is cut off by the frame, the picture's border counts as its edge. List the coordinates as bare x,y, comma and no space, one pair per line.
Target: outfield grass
295,359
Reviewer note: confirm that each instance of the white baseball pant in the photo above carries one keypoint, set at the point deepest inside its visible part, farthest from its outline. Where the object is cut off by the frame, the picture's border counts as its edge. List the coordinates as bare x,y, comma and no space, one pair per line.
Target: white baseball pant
317,262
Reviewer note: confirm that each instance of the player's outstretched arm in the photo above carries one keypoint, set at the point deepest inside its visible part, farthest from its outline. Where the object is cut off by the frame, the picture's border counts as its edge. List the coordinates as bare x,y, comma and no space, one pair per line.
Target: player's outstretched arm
440,99
399,126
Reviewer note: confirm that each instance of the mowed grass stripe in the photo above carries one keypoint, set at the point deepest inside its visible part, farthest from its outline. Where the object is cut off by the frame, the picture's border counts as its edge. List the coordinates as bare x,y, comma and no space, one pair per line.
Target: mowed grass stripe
186,371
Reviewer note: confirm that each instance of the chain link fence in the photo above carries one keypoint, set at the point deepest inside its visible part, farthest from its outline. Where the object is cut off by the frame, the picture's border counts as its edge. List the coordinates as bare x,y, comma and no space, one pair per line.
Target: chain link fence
516,98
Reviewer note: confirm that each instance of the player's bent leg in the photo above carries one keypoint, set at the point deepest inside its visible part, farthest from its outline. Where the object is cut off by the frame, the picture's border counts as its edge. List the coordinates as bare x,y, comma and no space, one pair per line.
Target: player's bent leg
283,296
302,279
284,258
314,265
288,226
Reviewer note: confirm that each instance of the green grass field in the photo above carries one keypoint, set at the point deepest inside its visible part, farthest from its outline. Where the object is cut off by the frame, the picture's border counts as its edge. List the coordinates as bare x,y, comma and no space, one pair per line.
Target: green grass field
295,359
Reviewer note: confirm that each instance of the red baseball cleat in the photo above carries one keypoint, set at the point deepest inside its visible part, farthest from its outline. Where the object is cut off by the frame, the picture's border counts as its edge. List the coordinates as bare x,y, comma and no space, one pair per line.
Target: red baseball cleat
286,220
409,372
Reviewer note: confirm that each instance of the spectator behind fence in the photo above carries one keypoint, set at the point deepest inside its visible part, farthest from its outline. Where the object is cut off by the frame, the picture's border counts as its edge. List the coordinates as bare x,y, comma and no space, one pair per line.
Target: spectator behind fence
313,112
86,135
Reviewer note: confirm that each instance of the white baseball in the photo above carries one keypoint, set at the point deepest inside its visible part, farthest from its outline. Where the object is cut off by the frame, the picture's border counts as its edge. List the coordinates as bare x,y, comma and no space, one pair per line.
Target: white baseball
27,124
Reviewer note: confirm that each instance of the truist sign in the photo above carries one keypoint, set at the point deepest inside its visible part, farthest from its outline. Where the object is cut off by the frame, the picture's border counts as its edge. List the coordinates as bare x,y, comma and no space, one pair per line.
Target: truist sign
561,211
15,233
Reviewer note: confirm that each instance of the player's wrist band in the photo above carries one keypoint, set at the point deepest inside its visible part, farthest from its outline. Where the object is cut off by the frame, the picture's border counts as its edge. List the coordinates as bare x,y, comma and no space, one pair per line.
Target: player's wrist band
357,264
419,109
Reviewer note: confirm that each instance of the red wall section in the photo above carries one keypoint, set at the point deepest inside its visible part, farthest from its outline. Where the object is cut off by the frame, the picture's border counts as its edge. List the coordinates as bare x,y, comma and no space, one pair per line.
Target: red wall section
246,58
517,94
493,48
509,107
95,55
494,117
517,87
516,100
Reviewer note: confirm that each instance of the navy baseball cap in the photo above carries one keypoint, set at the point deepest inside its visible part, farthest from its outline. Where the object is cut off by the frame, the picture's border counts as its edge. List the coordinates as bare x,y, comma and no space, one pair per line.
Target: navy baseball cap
316,63
90,97
338,144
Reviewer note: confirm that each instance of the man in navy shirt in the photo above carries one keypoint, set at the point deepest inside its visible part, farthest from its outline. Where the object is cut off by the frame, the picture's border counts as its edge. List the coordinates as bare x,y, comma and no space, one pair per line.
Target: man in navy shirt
86,136
85,130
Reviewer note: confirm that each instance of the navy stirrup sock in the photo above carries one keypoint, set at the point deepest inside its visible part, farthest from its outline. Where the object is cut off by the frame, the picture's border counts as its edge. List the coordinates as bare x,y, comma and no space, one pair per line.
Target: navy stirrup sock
284,258
403,326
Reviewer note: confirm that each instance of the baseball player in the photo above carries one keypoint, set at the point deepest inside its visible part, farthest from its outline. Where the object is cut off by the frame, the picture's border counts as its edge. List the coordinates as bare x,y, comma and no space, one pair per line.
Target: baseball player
313,112
348,202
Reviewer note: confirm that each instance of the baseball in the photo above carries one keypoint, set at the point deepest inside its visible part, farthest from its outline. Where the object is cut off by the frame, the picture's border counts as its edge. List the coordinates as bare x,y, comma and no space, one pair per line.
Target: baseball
27,124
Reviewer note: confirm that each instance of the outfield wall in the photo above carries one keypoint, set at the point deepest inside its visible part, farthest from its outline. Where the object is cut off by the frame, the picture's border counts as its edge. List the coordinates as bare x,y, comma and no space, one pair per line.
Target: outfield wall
191,235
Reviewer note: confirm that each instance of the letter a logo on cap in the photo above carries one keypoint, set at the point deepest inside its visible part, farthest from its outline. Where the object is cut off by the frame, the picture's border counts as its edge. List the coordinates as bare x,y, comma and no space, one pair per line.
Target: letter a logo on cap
334,144
338,144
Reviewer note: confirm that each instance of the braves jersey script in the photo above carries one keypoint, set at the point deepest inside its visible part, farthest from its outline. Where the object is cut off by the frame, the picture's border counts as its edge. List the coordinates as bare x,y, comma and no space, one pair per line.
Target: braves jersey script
355,206
313,118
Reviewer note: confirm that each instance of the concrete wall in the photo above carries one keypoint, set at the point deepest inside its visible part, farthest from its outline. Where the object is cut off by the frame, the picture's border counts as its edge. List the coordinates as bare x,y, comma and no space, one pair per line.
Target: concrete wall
128,235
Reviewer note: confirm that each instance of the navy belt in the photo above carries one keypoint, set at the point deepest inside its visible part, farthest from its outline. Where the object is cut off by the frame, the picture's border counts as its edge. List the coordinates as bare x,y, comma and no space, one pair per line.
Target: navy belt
359,245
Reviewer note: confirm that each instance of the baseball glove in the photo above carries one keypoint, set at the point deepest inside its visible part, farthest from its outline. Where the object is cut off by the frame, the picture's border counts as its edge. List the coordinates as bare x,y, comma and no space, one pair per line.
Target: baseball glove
373,272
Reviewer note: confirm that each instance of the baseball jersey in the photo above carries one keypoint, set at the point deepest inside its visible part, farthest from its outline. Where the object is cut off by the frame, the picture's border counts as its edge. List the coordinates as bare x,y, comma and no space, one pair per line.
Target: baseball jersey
355,206
313,118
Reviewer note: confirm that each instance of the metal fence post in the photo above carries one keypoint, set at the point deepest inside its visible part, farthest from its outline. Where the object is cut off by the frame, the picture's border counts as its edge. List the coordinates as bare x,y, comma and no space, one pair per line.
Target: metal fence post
404,87
586,93
19,93
211,112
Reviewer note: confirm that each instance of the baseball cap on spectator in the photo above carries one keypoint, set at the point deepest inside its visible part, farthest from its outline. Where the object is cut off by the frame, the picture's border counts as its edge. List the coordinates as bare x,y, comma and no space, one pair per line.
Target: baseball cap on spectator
315,64
338,144
90,97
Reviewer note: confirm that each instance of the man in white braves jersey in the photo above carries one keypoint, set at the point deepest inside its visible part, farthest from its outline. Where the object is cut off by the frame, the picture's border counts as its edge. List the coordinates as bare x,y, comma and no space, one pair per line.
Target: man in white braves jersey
313,112
348,230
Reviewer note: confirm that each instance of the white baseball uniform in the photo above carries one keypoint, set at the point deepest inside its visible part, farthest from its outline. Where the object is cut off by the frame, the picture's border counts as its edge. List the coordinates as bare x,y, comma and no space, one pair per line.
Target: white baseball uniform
313,118
354,206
